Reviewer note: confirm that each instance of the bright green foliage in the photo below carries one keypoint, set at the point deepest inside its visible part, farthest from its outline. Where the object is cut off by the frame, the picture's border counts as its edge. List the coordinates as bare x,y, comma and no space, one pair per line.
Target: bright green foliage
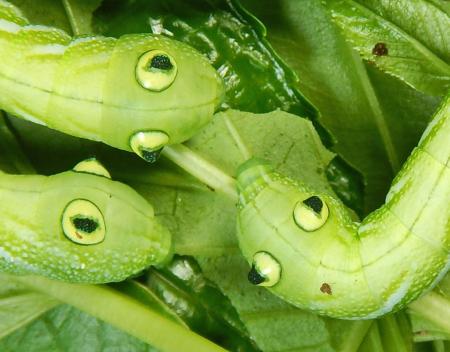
407,38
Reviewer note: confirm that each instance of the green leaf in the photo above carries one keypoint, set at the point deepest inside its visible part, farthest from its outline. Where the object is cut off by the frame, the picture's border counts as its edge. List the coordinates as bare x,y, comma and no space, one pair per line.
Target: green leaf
375,119
12,158
196,300
273,324
406,38
66,329
19,306
79,13
44,12
115,308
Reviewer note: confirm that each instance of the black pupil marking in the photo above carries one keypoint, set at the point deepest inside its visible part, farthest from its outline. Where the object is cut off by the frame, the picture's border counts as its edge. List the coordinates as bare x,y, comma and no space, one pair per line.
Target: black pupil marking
85,224
380,49
254,277
315,203
161,62
151,156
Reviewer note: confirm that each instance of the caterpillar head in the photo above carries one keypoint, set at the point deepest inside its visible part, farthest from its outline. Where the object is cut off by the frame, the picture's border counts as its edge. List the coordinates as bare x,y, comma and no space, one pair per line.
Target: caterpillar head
287,232
96,230
160,92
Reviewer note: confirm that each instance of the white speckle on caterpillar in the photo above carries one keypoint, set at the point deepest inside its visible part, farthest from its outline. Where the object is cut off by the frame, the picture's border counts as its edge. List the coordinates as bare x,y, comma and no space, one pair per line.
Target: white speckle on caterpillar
50,49
29,117
393,299
9,27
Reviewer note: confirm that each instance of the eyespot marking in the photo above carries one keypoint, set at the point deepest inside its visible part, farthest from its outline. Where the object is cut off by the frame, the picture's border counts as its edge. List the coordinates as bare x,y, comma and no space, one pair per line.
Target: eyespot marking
380,49
92,166
156,70
161,62
326,288
315,203
265,271
311,213
83,223
254,277
148,145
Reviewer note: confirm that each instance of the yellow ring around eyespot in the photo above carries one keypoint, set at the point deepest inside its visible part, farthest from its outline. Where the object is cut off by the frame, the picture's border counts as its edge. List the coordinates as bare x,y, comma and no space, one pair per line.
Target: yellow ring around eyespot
92,166
145,142
307,219
153,78
83,210
268,267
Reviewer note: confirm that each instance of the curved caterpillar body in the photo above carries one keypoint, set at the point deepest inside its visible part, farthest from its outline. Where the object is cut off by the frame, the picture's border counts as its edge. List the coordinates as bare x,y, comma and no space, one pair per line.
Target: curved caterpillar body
136,93
304,246
78,227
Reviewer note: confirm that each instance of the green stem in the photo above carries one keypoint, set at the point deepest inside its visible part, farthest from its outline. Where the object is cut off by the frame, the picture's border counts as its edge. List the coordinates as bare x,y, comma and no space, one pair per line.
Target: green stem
355,336
124,313
237,138
71,17
201,169
391,335
372,341
435,308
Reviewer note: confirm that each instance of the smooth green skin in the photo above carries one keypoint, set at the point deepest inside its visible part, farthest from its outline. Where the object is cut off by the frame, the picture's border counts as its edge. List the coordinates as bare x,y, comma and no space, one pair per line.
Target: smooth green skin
396,254
32,240
87,87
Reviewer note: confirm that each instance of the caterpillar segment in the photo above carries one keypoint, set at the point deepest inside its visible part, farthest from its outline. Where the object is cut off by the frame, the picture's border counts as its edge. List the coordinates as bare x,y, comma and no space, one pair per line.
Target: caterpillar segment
305,248
77,226
138,93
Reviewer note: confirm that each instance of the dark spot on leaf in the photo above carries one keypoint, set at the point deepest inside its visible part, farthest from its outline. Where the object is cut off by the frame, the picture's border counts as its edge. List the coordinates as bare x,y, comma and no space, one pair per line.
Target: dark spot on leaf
254,277
151,156
161,62
325,288
380,49
315,203
85,224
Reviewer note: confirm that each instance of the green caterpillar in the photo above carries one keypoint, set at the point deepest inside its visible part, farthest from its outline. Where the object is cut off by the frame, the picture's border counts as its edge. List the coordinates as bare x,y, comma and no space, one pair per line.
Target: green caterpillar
137,93
77,226
305,247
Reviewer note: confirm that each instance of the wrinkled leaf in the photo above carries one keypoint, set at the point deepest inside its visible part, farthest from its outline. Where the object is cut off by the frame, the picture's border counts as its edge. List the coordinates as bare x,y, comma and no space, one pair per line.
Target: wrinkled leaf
196,300
376,120
406,38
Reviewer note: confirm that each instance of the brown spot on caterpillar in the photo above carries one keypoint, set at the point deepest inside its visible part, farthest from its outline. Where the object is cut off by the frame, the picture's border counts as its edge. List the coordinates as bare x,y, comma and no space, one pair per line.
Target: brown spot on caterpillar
325,288
380,49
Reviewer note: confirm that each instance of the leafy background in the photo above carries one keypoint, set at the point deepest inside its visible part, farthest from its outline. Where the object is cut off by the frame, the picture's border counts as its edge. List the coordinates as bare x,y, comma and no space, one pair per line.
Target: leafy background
303,64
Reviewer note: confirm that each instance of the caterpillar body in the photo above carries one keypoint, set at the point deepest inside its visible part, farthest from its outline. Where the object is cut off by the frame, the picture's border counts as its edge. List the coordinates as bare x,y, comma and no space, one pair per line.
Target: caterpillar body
305,247
77,226
137,93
